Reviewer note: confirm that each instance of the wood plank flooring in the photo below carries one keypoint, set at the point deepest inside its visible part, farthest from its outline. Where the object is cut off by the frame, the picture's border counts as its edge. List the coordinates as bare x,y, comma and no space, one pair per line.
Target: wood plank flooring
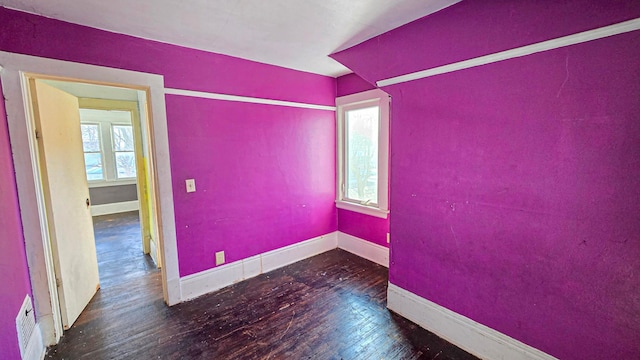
331,306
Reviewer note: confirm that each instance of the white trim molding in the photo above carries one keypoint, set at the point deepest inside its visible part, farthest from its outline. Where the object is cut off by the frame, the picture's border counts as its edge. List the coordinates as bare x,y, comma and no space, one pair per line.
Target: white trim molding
115,208
15,68
246,99
362,209
363,248
198,284
581,37
461,331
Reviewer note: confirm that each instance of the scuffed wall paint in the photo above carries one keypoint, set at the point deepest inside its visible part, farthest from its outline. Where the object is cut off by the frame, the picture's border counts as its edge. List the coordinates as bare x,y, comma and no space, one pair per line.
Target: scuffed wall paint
515,185
264,177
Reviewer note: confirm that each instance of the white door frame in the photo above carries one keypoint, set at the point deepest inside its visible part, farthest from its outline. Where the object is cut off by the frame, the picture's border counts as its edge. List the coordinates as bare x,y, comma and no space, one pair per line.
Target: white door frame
13,68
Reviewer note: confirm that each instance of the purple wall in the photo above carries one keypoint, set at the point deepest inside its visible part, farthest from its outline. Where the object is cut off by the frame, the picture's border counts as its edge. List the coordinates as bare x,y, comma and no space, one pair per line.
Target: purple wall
13,263
352,84
360,225
474,28
515,185
265,174
365,227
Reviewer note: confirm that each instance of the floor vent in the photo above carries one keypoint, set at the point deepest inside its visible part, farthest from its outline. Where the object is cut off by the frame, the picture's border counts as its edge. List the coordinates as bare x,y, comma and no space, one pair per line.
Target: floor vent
25,324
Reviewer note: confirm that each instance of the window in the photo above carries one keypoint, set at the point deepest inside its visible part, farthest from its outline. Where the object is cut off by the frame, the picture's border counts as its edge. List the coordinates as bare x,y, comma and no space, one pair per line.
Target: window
124,151
363,152
109,148
92,151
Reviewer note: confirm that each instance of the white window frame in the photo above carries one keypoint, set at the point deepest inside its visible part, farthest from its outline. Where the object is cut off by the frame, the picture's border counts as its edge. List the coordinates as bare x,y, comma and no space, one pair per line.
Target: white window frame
108,154
361,100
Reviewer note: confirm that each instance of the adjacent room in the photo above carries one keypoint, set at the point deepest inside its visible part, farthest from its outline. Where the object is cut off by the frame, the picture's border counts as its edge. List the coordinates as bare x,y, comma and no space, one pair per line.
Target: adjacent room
435,179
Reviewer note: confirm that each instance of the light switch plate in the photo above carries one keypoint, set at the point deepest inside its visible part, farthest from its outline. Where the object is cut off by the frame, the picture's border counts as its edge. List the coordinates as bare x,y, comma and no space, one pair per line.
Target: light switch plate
219,258
388,238
191,185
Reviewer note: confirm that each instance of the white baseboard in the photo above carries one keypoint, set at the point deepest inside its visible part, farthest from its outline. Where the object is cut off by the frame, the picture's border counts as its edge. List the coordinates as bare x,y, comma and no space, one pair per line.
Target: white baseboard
465,333
363,248
172,294
194,285
153,252
46,326
289,254
35,347
114,208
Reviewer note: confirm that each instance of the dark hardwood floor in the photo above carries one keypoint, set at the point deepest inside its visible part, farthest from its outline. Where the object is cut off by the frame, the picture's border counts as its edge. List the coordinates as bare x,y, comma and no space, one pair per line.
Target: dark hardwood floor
331,306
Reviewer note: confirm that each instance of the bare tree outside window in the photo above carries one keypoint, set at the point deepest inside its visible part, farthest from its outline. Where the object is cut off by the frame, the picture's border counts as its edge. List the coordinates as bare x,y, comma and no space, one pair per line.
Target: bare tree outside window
362,154
123,147
92,151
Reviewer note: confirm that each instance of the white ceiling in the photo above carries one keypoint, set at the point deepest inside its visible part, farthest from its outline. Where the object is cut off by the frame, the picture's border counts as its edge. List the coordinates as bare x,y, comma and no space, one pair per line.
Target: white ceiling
297,34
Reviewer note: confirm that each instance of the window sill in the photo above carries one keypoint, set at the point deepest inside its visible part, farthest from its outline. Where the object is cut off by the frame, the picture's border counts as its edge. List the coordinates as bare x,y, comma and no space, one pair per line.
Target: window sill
367,210
108,183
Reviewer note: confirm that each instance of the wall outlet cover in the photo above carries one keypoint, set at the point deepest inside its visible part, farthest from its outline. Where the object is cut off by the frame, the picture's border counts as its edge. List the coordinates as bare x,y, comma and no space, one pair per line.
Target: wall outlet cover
191,185
219,258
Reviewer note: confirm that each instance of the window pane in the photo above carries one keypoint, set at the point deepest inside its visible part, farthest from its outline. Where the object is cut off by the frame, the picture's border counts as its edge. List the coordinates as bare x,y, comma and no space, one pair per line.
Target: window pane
125,164
93,166
122,138
90,137
362,154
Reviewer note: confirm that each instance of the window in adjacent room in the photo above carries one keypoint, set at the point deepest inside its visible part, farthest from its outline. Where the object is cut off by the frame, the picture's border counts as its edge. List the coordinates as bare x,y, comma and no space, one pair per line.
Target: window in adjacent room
363,152
91,143
109,148
123,150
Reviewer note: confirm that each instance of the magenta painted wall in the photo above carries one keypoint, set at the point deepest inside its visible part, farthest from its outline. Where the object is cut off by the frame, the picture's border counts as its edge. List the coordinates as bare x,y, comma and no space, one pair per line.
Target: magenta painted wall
13,262
352,84
474,28
182,68
515,185
265,174
363,226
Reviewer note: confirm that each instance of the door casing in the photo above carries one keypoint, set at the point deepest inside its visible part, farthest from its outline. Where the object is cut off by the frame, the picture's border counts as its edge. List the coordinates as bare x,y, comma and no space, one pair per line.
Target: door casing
15,72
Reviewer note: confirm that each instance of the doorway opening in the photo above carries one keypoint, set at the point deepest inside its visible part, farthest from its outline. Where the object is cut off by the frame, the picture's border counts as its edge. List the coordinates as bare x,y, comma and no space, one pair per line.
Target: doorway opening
90,141
117,162
17,72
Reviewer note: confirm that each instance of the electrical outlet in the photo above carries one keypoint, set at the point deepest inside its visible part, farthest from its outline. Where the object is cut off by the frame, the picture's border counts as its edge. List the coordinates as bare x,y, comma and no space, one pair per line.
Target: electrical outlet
191,185
388,238
219,258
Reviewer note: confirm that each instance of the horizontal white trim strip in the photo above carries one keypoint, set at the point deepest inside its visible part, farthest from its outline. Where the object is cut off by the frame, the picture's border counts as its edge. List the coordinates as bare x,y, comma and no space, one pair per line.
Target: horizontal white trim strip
367,210
479,340
114,208
247,99
363,248
204,282
615,29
